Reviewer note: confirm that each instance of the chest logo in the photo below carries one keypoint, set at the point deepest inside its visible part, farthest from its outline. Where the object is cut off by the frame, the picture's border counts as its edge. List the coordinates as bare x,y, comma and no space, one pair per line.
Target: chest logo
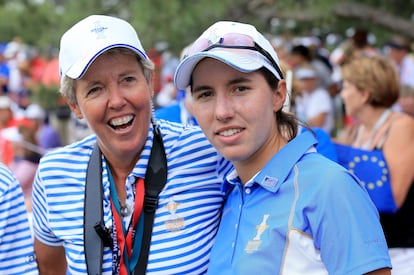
253,245
174,222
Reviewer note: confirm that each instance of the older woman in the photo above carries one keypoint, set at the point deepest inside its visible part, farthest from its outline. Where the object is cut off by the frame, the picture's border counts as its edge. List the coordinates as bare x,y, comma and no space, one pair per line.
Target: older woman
106,80
379,149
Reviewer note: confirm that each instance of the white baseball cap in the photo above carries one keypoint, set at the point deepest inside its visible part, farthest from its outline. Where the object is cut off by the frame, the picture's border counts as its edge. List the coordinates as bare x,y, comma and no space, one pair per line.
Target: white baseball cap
305,73
5,102
35,111
92,36
12,134
236,44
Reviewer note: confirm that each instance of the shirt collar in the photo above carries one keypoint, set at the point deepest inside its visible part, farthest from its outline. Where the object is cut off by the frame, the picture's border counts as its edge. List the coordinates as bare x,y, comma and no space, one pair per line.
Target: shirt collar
142,163
274,173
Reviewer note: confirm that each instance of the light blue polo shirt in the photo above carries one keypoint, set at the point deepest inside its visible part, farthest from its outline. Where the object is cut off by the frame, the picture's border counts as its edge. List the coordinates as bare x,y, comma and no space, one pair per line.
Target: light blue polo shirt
301,214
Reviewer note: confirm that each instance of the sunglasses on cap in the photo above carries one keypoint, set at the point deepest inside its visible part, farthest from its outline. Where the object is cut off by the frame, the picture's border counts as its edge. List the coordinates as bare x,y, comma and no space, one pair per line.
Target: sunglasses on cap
232,41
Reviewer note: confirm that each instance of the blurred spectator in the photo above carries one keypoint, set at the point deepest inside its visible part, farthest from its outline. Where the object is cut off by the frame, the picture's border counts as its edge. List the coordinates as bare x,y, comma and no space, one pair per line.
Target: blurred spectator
313,103
22,100
37,65
27,155
282,46
325,145
46,135
398,49
301,56
4,71
7,119
156,58
6,112
317,49
78,129
15,53
179,112
50,76
361,45
16,243
167,94
406,100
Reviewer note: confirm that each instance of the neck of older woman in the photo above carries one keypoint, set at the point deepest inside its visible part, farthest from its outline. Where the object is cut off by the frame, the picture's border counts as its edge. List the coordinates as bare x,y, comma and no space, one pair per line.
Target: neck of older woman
119,176
370,124
371,117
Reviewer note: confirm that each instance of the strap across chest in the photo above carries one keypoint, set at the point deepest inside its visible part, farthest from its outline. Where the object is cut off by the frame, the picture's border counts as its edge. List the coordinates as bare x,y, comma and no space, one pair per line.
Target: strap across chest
96,236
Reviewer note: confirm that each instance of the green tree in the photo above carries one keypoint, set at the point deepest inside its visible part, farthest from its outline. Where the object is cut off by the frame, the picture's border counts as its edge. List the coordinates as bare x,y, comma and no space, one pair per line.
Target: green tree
178,22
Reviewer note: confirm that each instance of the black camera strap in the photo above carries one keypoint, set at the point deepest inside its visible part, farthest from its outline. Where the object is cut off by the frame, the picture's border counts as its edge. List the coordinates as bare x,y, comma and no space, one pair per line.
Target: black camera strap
96,236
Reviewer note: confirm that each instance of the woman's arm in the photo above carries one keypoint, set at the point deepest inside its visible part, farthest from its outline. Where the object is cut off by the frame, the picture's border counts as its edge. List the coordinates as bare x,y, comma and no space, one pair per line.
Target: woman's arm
50,259
399,152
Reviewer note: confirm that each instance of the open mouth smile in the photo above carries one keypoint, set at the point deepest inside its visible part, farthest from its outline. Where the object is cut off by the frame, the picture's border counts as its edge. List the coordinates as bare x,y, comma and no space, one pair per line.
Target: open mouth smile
229,132
121,123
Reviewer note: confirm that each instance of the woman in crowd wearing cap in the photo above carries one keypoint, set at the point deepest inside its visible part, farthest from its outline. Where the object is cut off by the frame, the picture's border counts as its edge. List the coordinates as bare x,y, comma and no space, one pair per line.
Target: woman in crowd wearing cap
16,243
106,80
289,210
47,136
379,149
26,159
398,48
7,121
313,104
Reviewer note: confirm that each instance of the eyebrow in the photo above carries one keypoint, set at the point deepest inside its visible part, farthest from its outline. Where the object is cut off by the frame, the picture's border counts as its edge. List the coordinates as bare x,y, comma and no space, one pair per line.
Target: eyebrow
239,80
234,81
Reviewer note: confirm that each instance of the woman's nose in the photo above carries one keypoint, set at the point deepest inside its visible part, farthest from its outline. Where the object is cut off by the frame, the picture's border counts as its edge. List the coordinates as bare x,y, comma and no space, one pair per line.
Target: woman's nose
223,108
116,97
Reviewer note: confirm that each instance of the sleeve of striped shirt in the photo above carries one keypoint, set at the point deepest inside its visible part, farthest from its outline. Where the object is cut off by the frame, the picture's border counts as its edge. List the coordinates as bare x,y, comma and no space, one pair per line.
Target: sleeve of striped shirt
41,227
16,242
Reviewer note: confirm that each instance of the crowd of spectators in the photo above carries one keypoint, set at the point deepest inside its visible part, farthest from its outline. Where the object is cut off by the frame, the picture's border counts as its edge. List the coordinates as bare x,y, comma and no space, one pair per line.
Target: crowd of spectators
28,128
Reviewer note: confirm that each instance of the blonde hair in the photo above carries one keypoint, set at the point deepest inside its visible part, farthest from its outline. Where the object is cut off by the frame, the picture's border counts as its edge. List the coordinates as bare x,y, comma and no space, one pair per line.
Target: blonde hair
377,75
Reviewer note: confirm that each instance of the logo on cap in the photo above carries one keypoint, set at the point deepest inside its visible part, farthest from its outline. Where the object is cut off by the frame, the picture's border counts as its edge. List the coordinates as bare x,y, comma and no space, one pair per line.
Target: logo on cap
99,30
213,37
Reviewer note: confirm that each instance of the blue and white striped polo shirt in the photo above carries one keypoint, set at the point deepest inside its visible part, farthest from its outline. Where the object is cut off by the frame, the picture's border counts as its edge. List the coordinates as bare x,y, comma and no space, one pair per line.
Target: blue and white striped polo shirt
301,214
16,242
186,219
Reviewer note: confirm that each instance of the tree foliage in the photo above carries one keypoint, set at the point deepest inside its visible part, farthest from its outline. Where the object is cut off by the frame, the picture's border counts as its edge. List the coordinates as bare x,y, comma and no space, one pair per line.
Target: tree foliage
178,22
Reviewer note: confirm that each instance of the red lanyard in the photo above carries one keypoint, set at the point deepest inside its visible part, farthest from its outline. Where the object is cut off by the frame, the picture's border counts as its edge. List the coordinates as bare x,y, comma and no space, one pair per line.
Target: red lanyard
126,237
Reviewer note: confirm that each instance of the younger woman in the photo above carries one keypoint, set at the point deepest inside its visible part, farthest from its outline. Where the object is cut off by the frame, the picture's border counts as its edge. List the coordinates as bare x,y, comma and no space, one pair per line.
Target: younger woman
289,209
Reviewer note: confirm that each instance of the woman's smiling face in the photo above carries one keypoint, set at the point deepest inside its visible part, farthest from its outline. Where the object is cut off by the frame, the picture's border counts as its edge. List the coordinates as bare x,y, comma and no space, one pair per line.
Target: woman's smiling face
236,110
114,97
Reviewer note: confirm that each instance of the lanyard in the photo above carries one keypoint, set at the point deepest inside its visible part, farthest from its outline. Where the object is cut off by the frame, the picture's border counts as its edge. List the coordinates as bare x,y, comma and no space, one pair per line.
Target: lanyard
129,239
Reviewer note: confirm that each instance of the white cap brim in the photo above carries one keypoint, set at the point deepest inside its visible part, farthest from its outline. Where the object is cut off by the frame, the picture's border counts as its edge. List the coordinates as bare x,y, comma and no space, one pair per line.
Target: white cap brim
243,60
79,68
